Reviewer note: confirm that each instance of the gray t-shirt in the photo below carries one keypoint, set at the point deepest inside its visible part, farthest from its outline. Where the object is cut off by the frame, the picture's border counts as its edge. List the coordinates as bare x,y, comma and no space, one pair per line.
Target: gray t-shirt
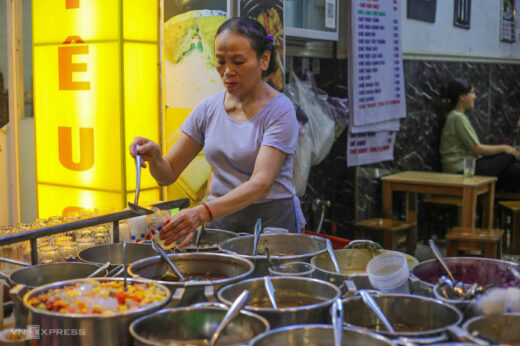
231,146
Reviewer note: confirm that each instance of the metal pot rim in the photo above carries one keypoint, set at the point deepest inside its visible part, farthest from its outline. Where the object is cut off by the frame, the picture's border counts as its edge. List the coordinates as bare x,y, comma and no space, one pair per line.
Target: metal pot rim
42,265
464,259
317,326
47,287
192,283
273,235
107,246
188,308
411,334
282,310
209,246
466,324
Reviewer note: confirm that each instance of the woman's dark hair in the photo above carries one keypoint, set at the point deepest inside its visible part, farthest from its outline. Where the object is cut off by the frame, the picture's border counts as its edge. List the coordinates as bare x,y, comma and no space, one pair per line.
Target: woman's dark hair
257,36
454,90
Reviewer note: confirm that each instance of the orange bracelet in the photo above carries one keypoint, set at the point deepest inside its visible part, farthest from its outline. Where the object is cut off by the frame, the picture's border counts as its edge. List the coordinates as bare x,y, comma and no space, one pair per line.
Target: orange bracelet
209,211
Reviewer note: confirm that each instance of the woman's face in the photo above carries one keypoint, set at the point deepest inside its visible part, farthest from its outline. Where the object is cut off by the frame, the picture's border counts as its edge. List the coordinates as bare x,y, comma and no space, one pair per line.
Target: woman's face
237,63
468,100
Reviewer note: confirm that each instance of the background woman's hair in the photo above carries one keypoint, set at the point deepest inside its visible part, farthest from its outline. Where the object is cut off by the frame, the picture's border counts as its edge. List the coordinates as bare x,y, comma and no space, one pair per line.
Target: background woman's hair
455,88
257,36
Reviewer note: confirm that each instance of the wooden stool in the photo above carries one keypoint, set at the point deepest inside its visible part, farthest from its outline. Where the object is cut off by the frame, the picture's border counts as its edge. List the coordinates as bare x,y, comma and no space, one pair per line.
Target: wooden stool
449,201
512,207
390,233
471,239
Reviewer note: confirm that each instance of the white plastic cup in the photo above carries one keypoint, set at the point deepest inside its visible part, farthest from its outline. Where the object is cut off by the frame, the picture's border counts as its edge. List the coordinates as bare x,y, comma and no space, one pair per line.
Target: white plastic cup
300,269
469,166
388,272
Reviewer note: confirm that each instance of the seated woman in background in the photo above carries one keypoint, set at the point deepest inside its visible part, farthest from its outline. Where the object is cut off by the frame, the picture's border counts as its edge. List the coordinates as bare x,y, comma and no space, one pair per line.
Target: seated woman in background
459,139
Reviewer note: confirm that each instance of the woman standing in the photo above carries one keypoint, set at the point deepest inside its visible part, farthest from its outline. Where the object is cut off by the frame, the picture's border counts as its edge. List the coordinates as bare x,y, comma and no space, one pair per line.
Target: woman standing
459,139
248,133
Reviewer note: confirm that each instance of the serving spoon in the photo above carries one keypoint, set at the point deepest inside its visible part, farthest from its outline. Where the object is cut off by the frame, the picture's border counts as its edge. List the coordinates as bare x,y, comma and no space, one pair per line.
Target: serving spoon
270,291
233,311
371,303
165,257
134,206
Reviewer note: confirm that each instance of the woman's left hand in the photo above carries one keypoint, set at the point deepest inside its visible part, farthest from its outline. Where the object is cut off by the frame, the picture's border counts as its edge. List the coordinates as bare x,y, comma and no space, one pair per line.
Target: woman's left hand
184,223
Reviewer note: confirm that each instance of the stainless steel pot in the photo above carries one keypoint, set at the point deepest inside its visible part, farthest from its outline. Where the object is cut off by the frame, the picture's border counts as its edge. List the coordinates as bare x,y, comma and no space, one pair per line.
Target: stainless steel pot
469,270
189,292
113,253
317,334
313,297
352,262
25,279
74,329
497,329
195,324
422,319
283,248
209,240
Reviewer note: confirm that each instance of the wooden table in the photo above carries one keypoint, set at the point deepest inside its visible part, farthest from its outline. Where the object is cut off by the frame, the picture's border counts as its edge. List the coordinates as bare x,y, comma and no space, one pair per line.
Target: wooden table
442,184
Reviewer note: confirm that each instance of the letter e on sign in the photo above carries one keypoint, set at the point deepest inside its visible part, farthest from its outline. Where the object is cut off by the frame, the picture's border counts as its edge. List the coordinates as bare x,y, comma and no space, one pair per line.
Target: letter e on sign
66,66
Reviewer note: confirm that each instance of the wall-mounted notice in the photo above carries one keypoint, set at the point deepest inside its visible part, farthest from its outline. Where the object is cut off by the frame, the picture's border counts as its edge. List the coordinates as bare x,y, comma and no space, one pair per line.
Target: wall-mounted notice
370,147
376,84
508,21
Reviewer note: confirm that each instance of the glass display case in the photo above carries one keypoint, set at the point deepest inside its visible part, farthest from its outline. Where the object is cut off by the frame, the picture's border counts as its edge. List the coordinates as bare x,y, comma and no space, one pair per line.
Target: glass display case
313,19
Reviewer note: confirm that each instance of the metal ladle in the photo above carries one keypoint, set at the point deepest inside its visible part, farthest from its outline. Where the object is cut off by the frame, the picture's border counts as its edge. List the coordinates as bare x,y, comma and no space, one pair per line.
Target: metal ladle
165,257
134,206
333,256
270,291
233,311
438,255
99,270
371,303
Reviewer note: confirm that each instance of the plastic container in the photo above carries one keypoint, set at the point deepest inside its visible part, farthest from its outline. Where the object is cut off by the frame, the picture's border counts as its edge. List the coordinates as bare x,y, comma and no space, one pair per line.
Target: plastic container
301,269
389,272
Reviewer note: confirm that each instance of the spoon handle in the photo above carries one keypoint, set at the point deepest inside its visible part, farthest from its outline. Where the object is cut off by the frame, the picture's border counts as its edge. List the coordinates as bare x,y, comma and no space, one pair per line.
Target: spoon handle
270,291
233,311
333,256
99,270
371,303
337,321
167,259
438,255
258,230
137,175
198,236
124,265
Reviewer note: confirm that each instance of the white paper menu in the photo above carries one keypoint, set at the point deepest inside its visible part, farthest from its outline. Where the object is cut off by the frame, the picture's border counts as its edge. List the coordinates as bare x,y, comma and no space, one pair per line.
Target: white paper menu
376,85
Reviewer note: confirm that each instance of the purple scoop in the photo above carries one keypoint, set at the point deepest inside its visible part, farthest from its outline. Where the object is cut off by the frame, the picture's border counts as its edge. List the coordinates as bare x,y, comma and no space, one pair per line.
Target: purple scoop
482,271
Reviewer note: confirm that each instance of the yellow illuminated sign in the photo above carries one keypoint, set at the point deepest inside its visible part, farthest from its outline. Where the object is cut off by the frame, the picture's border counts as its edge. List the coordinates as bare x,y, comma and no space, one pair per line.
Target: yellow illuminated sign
96,87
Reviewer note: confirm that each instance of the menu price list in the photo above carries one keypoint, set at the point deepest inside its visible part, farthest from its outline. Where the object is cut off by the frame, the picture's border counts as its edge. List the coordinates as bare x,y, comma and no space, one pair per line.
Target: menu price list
376,62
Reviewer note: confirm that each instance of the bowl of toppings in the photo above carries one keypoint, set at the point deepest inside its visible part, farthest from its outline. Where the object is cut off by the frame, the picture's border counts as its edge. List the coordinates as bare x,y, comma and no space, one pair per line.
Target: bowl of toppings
88,310
204,272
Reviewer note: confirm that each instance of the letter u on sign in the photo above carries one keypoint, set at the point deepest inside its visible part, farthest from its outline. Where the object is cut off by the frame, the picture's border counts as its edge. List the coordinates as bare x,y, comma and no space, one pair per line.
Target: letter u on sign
86,148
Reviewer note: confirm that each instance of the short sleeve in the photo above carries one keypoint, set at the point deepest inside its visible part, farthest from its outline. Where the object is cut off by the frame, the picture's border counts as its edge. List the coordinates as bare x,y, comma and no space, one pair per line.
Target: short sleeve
282,132
466,133
195,124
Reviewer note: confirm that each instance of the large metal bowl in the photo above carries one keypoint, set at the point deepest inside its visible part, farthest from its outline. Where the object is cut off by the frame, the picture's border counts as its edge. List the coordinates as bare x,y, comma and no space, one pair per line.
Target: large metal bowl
352,262
483,271
283,248
113,253
75,329
25,279
411,316
313,297
317,334
178,326
189,292
497,329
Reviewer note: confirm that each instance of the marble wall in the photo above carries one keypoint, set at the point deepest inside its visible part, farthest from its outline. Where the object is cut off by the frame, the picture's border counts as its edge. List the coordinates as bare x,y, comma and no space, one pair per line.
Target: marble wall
355,193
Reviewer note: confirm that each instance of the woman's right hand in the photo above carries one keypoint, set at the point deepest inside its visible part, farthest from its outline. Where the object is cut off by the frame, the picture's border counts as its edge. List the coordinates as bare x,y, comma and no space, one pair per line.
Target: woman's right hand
148,149
510,150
